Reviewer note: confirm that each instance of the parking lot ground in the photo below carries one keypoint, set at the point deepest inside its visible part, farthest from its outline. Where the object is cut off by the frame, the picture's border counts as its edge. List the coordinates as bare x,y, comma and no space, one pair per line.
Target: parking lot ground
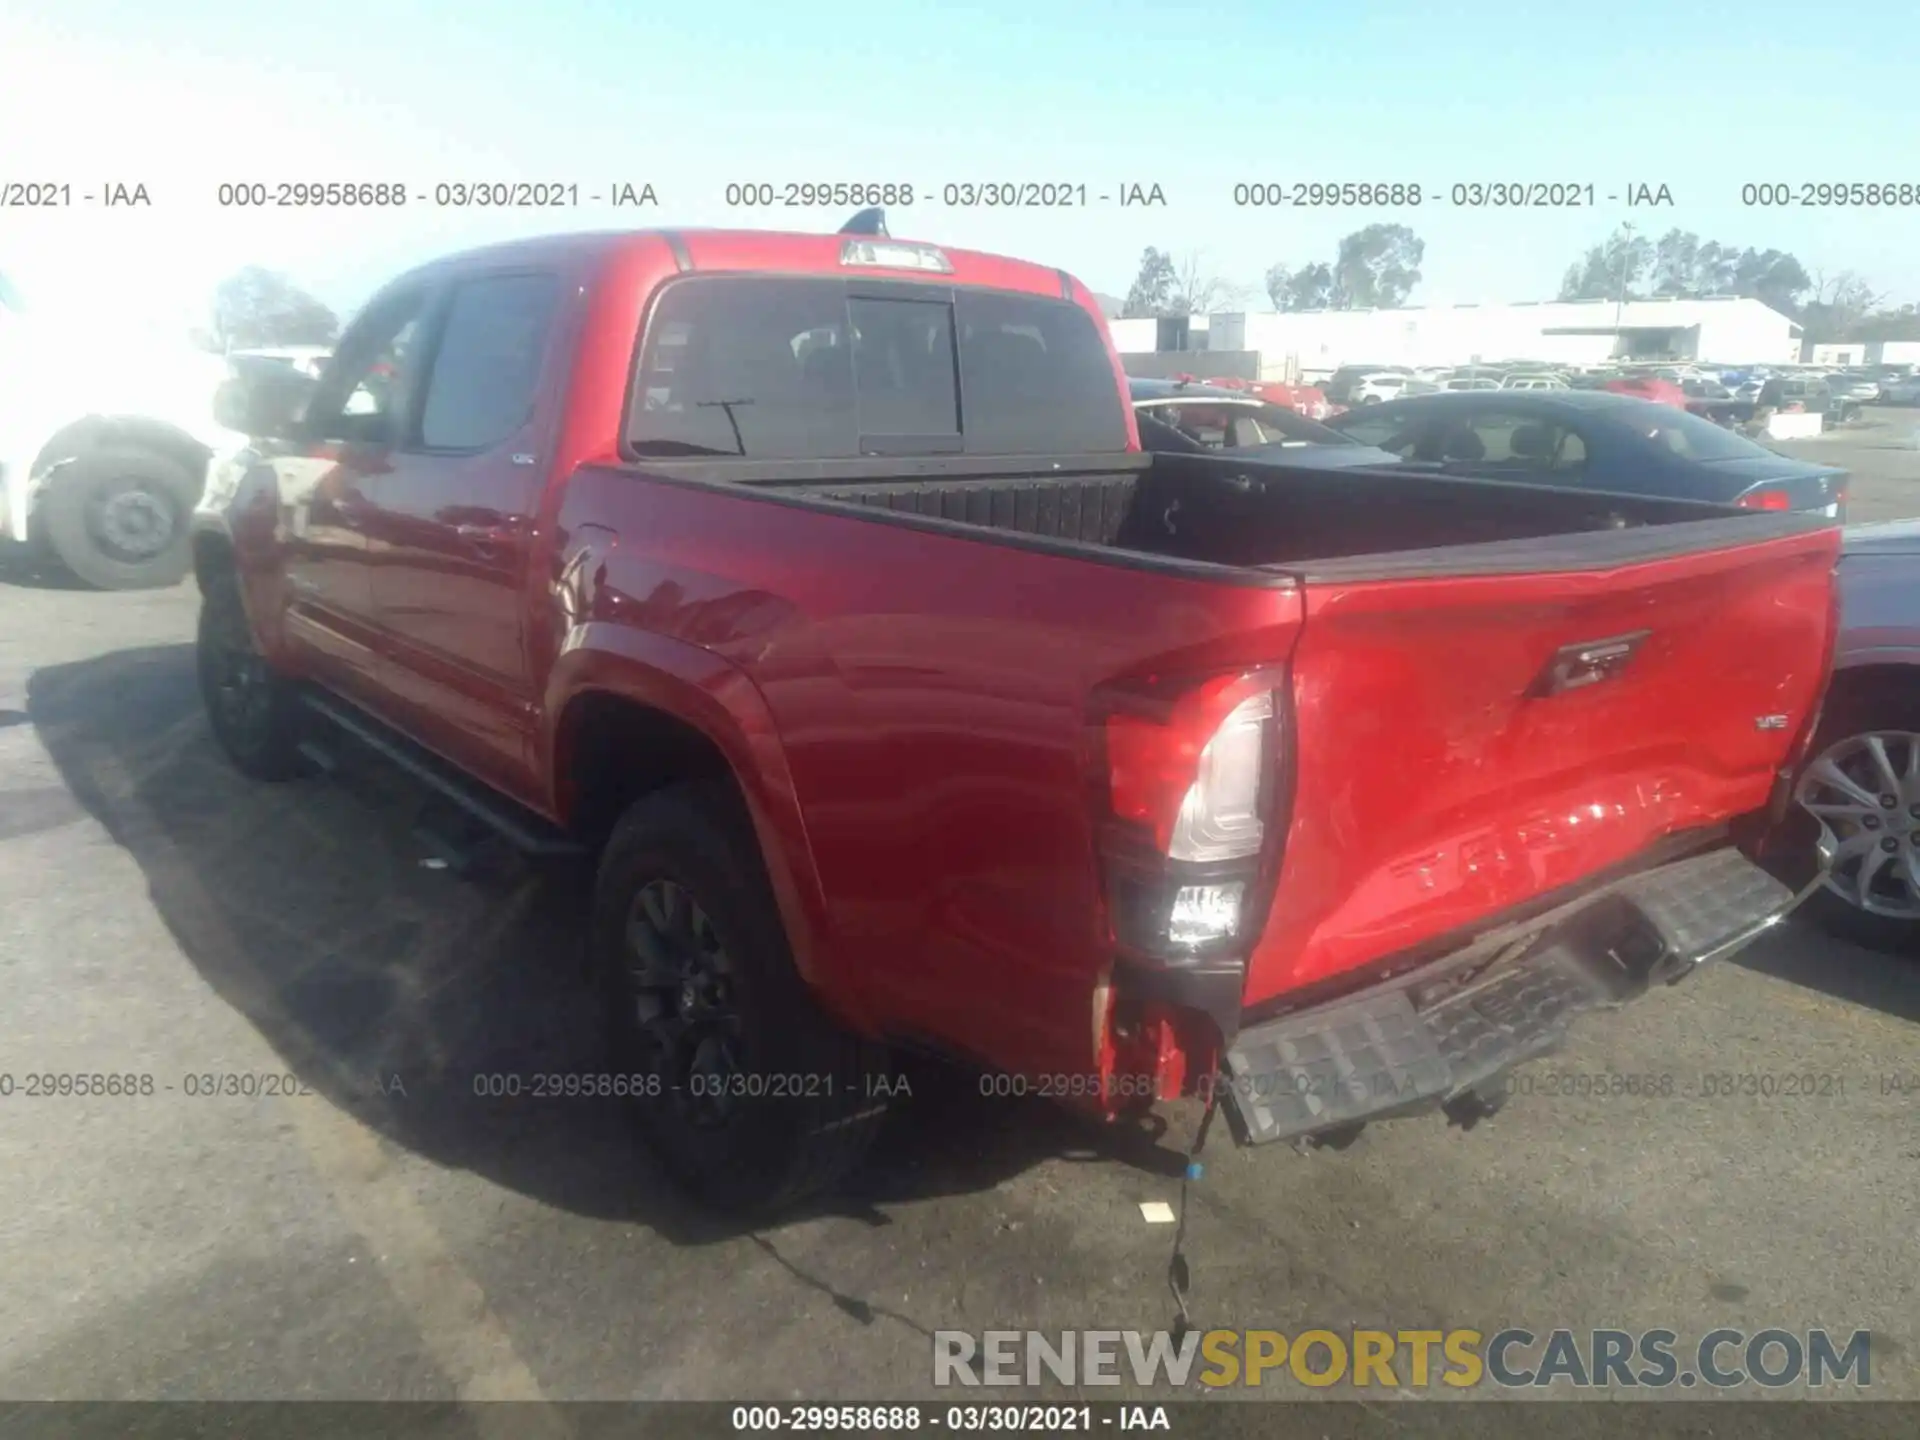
1882,450
384,1233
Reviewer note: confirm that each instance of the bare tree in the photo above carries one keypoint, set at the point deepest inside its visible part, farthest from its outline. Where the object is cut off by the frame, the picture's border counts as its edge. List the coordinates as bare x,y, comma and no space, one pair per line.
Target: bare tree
1200,290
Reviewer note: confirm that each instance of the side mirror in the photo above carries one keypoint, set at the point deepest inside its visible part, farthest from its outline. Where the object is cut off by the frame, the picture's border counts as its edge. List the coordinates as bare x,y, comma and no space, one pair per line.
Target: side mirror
262,406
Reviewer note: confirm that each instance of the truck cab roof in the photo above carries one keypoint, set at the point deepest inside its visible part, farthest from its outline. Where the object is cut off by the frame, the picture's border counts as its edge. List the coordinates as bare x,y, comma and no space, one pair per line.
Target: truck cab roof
694,250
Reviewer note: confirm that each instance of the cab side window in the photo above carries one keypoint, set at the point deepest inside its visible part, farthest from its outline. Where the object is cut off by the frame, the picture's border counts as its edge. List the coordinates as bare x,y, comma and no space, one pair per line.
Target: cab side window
486,367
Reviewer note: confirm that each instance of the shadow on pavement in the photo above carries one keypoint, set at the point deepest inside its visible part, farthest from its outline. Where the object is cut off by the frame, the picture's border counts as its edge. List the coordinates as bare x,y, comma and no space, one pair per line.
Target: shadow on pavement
21,566
1804,955
395,990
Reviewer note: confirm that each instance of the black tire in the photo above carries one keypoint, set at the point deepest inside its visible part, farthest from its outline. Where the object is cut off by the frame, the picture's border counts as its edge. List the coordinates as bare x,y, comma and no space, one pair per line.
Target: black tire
806,1097
154,493
1878,705
252,710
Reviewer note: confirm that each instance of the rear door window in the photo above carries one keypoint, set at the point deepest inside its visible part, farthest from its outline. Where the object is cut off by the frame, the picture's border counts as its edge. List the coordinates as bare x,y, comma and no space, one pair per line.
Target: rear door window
774,368
749,366
1515,444
1398,430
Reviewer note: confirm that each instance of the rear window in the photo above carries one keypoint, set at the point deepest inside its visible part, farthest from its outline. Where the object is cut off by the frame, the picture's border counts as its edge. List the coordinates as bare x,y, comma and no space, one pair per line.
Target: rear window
1691,437
778,368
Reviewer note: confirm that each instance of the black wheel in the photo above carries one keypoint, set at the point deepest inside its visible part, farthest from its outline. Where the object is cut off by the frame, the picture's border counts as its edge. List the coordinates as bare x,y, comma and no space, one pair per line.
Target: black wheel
1862,783
118,518
757,1099
250,708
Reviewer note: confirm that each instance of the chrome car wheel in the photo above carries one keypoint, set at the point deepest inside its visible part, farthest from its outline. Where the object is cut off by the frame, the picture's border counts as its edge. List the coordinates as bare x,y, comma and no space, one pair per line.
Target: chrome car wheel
1865,792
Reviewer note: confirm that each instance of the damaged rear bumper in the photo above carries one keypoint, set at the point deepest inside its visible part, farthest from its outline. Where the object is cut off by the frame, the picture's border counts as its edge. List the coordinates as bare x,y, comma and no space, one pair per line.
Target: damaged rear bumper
1443,1035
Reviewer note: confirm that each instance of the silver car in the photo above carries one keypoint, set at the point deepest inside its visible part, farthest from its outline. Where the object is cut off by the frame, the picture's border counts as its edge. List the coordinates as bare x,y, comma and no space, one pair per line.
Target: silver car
1853,387
1903,390
1861,781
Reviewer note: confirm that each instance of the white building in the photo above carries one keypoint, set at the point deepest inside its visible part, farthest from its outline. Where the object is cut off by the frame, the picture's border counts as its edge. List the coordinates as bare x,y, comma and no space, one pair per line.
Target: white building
1582,332
1865,352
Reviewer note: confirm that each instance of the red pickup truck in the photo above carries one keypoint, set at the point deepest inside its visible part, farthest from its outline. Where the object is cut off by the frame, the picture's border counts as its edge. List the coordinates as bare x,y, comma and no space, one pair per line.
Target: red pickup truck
818,586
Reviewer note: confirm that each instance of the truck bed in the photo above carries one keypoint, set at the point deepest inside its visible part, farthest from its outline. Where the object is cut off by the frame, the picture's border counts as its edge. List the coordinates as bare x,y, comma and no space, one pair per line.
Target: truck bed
1222,511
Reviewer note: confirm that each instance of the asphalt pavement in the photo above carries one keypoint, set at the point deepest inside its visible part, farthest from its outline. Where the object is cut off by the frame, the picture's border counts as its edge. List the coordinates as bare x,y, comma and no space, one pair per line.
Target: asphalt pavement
363,1225
1882,449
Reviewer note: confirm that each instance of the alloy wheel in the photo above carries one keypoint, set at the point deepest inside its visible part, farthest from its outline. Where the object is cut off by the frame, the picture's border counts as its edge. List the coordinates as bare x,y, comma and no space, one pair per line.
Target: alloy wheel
1865,792
683,984
241,686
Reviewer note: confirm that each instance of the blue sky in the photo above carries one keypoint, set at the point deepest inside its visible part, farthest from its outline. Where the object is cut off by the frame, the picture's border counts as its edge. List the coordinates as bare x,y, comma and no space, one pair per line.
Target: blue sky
1697,97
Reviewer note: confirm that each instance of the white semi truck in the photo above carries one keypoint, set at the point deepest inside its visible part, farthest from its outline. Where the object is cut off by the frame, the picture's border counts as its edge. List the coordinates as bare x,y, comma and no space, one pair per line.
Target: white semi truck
104,443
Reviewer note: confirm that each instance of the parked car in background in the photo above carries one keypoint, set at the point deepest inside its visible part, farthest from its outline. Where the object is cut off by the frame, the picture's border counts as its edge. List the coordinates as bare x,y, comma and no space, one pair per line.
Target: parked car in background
1650,388
1861,782
1308,400
1851,385
1533,381
1904,390
1702,388
1470,382
1813,393
1343,382
1380,385
1596,440
1176,416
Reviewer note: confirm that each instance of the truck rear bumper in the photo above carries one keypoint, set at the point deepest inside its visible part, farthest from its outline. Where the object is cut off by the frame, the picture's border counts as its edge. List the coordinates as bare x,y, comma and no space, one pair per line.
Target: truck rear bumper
1443,1036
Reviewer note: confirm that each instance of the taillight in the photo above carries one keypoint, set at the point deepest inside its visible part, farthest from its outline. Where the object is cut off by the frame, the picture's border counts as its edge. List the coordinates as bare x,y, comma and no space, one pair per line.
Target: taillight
1769,497
1220,815
1190,786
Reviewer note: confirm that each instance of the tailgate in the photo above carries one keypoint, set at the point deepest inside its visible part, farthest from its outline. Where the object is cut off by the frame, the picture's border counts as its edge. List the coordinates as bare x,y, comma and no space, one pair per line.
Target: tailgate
1466,740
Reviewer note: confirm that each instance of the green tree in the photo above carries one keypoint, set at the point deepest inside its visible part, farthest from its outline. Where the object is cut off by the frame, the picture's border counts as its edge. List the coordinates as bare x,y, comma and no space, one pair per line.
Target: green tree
1680,264
261,307
1153,287
1377,268
1374,268
1310,287
1616,269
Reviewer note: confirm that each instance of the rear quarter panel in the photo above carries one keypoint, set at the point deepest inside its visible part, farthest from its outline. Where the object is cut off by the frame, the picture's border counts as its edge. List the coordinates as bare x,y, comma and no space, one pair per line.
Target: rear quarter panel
929,694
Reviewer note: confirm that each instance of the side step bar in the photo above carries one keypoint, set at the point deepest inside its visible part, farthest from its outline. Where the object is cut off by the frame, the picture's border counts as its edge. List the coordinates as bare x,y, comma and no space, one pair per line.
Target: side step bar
527,832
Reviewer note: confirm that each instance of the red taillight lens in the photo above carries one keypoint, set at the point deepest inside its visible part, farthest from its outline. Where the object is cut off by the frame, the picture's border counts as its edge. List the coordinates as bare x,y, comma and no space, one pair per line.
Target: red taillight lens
1770,498
1191,773
1187,761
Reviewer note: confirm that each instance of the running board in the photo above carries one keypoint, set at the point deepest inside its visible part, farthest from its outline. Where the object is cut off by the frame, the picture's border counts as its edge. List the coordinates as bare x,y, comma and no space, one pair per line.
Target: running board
527,832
